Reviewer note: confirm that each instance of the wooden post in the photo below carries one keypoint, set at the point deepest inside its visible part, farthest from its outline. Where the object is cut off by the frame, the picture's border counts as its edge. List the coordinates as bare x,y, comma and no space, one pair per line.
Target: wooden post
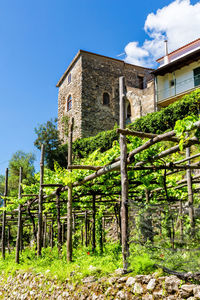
101,236
21,238
51,234
45,231
124,175
190,193
4,215
9,238
40,200
73,222
58,220
93,222
181,220
82,234
69,202
19,229
63,233
86,229
103,229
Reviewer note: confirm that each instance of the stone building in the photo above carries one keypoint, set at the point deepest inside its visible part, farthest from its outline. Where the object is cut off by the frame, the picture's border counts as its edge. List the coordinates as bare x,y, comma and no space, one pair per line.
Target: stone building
89,92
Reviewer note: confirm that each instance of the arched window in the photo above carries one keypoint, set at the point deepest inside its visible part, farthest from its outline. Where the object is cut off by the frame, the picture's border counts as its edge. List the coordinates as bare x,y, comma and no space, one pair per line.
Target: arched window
69,103
128,113
106,99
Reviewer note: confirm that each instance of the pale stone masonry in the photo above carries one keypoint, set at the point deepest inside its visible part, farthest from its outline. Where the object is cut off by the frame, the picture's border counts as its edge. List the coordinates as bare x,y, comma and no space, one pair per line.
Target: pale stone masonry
88,91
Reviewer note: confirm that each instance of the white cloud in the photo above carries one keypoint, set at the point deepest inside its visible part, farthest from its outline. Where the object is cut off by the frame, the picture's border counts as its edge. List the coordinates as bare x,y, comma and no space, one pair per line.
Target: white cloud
179,22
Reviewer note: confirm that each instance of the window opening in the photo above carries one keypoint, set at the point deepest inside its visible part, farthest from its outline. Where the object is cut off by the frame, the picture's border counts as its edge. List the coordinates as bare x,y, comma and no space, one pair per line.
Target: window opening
196,76
69,78
128,114
140,82
106,99
69,103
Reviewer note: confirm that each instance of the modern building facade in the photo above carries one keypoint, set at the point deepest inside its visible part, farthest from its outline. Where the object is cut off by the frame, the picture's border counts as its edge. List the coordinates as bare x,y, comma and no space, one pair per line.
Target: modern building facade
178,74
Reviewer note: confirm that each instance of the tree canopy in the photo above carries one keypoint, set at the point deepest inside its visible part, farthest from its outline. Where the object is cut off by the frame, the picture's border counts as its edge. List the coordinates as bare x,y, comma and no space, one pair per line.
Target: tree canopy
48,135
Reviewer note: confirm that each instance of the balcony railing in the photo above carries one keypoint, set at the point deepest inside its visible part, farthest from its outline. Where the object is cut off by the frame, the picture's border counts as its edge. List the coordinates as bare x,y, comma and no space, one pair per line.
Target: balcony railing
178,88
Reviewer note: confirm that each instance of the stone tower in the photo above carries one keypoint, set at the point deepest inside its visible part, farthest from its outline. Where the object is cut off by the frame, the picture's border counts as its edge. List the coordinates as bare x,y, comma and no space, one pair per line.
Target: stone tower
88,91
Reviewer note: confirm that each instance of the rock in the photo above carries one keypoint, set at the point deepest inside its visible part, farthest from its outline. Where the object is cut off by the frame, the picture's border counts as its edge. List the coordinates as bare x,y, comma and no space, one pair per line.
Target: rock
119,271
187,290
121,295
65,294
196,292
158,295
94,297
89,279
147,297
151,285
172,297
122,279
112,280
130,281
143,278
138,289
108,291
172,284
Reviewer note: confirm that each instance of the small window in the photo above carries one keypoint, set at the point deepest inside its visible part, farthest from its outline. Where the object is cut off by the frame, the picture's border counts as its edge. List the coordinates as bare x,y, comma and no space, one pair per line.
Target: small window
172,83
140,82
69,103
106,99
196,76
69,78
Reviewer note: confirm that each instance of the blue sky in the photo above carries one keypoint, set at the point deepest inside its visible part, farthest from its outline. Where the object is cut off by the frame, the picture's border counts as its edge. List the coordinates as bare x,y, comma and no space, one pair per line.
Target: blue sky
40,38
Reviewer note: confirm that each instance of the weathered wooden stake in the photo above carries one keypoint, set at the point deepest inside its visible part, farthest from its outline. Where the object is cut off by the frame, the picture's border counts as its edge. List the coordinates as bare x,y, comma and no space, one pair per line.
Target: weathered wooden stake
40,201
124,175
51,234
93,223
58,221
190,193
101,236
19,229
86,229
8,238
45,231
4,215
69,203
63,233
181,219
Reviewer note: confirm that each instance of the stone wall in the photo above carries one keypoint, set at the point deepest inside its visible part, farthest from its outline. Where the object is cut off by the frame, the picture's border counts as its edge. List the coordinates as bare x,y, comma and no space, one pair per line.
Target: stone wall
93,75
141,101
74,88
101,74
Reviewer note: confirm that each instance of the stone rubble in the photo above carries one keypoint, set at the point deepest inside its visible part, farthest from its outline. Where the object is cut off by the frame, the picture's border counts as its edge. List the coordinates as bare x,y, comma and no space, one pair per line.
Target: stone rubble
25,286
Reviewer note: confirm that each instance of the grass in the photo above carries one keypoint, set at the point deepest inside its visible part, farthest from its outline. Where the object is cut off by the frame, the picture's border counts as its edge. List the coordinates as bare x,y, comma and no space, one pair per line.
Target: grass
55,265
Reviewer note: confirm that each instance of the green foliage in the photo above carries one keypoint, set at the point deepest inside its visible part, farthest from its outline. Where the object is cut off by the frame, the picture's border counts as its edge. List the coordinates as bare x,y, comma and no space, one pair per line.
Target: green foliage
48,135
157,122
102,141
182,127
2,178
24,160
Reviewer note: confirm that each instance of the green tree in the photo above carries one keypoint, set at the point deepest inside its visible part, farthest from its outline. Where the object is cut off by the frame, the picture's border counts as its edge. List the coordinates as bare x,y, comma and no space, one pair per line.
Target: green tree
24,160
48,135
2,178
